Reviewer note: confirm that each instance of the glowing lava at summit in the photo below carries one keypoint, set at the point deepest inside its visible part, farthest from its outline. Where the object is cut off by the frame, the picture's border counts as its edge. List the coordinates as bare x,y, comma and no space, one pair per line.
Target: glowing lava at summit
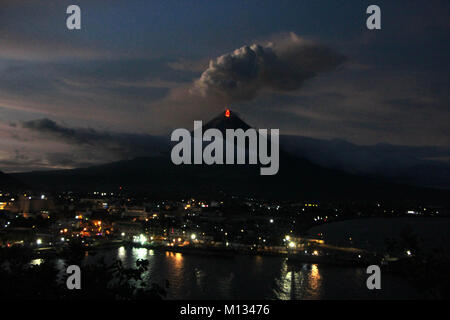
227,113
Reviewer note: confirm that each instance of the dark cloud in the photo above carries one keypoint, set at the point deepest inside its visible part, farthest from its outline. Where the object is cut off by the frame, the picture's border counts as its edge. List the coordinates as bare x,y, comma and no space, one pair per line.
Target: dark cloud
122,145
282,65
48,126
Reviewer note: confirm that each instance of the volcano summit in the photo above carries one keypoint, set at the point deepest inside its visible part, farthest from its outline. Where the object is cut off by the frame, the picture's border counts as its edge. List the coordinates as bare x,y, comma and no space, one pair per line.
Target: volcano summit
213,151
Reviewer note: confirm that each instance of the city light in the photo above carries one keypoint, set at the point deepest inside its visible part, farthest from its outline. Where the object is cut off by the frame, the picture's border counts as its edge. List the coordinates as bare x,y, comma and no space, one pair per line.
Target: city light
193,236
292,244
140,239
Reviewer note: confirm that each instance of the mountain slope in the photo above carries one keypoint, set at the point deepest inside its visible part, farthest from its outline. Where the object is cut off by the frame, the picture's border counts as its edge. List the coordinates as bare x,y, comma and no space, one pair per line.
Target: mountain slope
413,165
8,183
297,178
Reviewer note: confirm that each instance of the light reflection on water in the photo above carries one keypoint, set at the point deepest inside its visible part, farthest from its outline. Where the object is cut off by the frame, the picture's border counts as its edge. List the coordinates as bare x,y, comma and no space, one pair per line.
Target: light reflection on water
140,253
299,283
121,253
254,277
36,262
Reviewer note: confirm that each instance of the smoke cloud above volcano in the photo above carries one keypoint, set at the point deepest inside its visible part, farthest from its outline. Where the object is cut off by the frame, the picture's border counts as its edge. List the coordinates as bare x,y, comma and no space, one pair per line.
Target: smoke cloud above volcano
281,65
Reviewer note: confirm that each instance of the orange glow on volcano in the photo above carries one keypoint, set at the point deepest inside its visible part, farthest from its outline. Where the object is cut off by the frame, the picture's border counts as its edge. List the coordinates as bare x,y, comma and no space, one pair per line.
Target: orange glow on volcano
227,113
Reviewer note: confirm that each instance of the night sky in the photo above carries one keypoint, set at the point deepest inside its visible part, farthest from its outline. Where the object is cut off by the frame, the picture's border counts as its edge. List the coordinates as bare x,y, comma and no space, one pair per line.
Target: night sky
138,69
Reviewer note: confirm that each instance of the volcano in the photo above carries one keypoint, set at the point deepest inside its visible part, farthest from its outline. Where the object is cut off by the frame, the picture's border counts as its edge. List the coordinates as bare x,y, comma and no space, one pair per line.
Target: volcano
297,178
226,120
